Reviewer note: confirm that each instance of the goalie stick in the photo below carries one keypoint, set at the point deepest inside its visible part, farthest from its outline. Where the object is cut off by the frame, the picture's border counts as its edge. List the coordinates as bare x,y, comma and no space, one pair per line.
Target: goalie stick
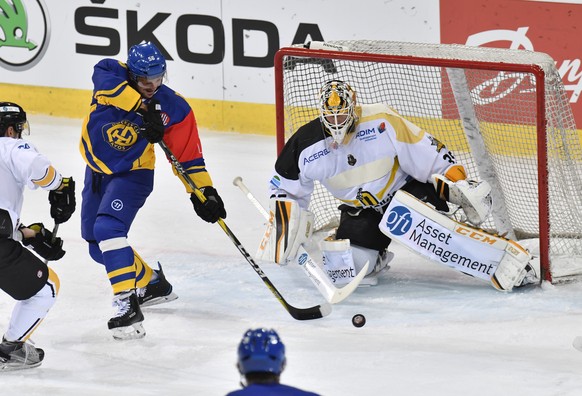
314,312
314,272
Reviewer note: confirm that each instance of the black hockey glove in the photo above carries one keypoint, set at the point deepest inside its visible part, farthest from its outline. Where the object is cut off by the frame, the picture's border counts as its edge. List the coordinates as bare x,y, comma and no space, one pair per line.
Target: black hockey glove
62,201
43,243
153,126
212,209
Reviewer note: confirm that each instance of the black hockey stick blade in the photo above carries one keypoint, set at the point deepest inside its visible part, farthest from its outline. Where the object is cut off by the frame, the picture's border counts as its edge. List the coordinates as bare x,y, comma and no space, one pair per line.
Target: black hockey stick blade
316,312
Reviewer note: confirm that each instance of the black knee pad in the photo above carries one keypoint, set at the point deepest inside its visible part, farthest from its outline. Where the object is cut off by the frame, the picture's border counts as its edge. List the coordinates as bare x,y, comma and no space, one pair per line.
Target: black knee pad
360,226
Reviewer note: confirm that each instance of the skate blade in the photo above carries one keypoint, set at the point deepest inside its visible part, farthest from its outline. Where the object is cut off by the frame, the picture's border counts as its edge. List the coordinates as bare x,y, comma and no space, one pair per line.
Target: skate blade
159,300
8,366
133,332
369,281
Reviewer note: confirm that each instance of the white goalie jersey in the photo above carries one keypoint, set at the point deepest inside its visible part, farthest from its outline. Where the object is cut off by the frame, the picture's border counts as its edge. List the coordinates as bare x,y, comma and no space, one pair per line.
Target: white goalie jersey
379,157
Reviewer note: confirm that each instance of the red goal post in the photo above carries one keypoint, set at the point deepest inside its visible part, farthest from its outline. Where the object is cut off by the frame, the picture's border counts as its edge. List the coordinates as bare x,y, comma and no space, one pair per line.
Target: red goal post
504,113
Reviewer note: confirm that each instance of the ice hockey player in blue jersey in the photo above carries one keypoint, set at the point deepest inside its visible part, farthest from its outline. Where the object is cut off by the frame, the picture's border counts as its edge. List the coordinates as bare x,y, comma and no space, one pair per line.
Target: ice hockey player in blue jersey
261,360
131,110
24,276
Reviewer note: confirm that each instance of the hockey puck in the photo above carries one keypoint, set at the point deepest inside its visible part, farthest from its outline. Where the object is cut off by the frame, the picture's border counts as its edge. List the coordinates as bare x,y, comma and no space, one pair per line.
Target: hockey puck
359,320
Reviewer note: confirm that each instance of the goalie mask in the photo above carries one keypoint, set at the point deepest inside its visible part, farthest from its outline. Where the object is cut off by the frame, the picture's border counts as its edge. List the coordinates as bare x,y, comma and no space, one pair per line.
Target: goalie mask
12,115
337,102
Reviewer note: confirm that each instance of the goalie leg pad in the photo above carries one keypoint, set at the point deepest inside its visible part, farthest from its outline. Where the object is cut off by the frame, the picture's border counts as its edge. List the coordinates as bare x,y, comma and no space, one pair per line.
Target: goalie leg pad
289,226
338,260
513,268
467,249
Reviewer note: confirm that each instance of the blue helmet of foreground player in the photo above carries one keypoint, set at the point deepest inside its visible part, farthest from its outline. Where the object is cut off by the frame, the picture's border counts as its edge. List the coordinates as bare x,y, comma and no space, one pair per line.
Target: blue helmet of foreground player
145,60
261,351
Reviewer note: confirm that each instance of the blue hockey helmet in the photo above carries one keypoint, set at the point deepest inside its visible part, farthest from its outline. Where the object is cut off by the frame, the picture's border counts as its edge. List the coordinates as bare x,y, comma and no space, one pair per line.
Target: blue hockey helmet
261,351
145,60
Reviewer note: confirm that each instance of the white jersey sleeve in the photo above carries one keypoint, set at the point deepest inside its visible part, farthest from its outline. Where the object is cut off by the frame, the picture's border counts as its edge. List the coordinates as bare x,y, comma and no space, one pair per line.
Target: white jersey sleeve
420,154
22,165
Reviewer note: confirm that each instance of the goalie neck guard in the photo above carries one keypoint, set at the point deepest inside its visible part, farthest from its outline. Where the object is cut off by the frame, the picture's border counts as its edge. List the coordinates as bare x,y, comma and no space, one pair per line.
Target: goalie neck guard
261,351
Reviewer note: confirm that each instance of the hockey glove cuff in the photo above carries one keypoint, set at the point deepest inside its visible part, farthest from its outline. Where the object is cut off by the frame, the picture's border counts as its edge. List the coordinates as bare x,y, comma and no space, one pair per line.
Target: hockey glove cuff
62,201
212,209
153,125
44,244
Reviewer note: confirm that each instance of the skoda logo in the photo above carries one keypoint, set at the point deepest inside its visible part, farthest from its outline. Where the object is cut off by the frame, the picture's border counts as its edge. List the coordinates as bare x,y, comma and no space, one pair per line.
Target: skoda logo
399,220
25,33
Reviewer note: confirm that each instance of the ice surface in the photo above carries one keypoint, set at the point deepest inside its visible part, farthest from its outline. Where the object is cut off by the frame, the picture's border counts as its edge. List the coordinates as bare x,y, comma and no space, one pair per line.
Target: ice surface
429,330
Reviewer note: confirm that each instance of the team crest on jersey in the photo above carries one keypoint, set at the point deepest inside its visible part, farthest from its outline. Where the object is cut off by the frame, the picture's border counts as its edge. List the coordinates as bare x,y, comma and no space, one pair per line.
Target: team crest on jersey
352,160
435,142
382,127
120,135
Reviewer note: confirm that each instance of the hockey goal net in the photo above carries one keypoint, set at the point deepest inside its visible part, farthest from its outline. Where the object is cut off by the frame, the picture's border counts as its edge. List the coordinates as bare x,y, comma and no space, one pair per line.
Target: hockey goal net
504,113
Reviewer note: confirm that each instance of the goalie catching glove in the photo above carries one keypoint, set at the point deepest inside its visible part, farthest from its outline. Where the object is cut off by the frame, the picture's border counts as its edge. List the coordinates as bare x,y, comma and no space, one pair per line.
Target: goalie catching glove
44,244
472,196
62,201
212,208
289,226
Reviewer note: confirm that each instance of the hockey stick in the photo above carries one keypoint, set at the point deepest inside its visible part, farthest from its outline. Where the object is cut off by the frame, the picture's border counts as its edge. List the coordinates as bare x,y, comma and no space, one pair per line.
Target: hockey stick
314,312
314,272
53,238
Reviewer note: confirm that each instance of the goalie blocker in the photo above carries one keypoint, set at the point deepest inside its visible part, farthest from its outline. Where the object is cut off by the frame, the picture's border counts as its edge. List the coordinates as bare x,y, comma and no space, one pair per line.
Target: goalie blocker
503,262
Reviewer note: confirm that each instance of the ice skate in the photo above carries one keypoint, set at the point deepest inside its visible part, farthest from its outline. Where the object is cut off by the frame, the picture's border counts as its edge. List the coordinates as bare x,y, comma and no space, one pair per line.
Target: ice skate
156,292
529,276
16,355
127,322
381,265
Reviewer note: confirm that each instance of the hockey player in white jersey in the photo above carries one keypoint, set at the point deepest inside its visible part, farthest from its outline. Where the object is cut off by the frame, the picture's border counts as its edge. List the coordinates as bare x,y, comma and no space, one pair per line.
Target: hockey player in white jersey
364,155
23,275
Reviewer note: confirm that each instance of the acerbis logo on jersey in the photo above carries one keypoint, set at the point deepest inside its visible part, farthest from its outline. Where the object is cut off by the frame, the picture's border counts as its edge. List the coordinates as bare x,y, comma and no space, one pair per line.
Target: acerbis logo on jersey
120,135
316,155
26,32
399,220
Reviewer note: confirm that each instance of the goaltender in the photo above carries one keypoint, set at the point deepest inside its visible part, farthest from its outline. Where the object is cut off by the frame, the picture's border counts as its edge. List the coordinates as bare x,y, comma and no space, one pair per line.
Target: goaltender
395,181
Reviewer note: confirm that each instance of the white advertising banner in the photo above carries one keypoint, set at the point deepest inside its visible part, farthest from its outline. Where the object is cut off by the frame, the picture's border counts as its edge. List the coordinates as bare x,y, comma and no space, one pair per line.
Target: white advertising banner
218,50
414,224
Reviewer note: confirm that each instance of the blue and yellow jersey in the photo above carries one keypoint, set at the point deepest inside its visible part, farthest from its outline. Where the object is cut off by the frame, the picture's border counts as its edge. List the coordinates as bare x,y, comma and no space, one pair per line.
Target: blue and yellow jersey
110,140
